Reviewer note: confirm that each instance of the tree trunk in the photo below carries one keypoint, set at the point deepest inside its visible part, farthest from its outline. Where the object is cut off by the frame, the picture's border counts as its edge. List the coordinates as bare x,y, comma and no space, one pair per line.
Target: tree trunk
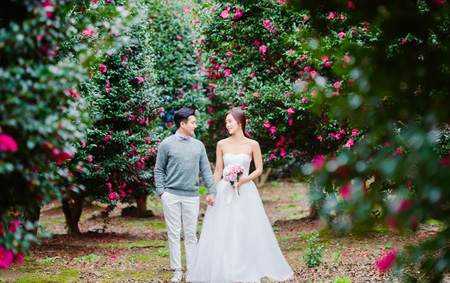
72,208
141,204
33,215
313,212
261,180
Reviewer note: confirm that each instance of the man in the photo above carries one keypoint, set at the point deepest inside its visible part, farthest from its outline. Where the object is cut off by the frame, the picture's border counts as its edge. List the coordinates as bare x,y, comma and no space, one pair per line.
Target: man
179,160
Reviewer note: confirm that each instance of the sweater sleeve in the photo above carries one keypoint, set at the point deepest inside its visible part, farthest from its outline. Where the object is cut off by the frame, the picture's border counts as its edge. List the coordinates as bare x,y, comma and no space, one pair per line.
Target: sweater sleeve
205,169
160,169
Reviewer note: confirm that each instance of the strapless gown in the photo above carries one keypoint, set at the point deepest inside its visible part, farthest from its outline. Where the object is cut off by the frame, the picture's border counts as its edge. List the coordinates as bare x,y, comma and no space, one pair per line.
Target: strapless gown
237,243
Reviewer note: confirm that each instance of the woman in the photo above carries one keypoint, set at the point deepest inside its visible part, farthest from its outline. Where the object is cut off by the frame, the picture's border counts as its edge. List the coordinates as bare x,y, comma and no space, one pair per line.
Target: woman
237,243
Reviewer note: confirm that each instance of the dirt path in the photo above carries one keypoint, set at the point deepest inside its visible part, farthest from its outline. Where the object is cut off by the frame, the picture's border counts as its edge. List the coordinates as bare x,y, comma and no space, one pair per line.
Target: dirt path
135,249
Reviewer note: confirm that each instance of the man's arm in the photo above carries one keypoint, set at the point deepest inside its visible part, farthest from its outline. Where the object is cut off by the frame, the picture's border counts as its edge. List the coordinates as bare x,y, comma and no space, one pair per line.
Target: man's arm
205,169
160,169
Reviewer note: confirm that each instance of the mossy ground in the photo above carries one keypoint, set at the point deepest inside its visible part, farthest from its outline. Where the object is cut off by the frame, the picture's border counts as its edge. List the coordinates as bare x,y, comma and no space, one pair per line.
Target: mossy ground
136,249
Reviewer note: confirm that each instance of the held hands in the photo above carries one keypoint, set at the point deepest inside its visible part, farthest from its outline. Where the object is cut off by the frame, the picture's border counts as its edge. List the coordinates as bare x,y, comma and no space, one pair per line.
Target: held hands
210,199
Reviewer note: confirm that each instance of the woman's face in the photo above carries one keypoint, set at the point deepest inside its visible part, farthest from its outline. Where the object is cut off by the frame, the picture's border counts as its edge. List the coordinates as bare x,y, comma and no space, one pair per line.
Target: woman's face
231,124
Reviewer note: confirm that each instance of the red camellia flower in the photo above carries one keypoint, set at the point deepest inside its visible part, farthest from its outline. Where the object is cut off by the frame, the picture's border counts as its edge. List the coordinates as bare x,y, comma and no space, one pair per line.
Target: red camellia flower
7,143
351,5
346,191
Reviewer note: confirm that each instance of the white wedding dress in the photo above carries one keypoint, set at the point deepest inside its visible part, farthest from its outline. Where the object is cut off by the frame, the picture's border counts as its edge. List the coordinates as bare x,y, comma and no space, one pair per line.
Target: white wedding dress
237,243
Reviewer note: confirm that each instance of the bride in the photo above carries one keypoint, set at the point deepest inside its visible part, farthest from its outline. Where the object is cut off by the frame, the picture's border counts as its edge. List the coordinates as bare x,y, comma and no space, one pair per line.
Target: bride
237,243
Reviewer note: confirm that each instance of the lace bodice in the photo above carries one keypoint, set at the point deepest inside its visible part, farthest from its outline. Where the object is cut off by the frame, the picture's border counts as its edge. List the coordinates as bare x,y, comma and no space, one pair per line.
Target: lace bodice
241,158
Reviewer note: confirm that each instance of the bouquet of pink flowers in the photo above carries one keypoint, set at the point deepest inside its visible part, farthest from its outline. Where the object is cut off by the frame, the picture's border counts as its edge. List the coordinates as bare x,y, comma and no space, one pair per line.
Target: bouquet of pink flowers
232,173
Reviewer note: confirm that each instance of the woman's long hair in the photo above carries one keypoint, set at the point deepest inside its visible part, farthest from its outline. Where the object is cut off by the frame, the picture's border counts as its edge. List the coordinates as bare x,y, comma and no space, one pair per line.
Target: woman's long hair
239,116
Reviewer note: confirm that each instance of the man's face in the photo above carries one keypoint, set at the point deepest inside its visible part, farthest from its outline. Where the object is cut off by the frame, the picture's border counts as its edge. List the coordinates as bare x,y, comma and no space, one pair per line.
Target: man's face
189,126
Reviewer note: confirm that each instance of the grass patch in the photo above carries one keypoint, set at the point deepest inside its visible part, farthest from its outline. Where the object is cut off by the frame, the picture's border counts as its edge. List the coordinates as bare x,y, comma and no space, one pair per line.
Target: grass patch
139,257
66,275
292,206
158,225
90,258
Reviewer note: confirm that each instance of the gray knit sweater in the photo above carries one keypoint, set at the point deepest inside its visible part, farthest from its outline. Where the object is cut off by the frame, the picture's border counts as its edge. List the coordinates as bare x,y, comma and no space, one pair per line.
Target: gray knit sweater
177,167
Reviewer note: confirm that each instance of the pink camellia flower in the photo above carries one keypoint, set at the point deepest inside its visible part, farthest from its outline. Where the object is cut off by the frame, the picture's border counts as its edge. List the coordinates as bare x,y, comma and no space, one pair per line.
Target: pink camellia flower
6,257
351,5
328,64
49,8
113,196
88,32
267,125
263,49
324,58
355,132
102,68
238,13
337,85
256,94
404,41
318,161
179,37
408,183
226,73
256,43
90,159
290,110
229,53
290,121
273,129
7,143
332,15
124,58
349,143
106,138
140,79
341,34
225,12
199,51
346,191
272,156
74,92
385,263
14,225
282,152
313,74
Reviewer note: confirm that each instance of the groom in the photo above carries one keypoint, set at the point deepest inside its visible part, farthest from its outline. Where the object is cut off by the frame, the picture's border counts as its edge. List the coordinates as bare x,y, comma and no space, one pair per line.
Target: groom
179,160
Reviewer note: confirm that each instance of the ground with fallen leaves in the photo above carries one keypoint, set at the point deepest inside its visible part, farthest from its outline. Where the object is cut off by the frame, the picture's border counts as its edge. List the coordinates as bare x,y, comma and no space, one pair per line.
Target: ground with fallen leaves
126,249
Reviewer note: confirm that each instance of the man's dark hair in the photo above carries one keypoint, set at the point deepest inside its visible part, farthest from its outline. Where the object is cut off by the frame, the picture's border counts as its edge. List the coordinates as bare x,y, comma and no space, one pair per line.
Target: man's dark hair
182,115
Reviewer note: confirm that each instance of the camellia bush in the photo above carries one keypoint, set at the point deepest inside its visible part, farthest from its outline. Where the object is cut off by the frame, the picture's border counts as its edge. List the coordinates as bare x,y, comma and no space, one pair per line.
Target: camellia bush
179,79
39,106
262,56
114,162
398,169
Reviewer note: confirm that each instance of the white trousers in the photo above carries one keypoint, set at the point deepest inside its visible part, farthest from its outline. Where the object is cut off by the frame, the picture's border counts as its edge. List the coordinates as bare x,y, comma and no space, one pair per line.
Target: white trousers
178,210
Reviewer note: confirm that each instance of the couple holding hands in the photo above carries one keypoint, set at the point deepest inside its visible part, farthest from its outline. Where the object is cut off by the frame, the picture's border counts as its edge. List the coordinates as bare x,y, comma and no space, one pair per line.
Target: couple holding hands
237,243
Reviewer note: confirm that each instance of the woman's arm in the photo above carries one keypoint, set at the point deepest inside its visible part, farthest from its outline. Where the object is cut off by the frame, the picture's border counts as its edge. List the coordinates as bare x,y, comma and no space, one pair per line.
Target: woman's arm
257,158
219,163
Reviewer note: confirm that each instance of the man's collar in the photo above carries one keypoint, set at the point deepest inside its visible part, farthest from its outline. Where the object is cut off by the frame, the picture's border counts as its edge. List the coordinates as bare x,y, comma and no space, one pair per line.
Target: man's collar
180,137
